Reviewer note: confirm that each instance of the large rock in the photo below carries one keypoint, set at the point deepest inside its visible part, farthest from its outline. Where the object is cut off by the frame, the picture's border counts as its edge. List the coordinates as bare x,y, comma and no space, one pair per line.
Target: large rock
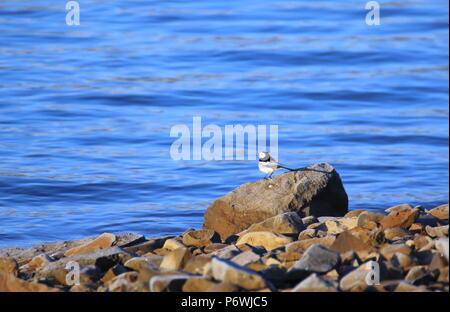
317,191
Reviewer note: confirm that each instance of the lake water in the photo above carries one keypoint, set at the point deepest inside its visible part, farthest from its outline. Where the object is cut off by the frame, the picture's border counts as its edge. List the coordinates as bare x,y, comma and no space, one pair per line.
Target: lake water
86,112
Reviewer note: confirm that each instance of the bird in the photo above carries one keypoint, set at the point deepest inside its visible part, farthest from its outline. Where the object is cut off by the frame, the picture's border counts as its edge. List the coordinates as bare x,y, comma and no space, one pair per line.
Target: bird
268,165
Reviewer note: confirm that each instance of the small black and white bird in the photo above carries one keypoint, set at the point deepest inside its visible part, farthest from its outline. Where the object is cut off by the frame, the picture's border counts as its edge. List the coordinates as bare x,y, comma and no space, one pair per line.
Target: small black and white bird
269,165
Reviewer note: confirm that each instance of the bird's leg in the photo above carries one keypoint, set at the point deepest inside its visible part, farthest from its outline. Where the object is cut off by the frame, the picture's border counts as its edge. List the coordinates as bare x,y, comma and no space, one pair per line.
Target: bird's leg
270,175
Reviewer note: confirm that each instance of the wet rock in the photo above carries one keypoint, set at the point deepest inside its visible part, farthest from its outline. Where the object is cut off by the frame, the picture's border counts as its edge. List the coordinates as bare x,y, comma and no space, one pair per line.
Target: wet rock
403,218
266,239
232,273
200,238
317,191
175,260
317,259
103,241
304,244
315,283
10,283
438,231
8,266
440,212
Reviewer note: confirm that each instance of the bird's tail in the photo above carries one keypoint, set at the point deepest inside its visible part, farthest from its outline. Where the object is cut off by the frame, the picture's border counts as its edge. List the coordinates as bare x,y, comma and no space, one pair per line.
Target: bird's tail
290,169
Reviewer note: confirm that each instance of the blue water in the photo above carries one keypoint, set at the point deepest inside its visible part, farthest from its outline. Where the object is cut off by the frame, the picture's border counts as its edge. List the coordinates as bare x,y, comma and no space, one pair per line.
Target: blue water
86,112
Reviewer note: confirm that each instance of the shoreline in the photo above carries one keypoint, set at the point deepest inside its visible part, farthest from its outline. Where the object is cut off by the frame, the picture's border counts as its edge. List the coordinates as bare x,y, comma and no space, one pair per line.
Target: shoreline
409,244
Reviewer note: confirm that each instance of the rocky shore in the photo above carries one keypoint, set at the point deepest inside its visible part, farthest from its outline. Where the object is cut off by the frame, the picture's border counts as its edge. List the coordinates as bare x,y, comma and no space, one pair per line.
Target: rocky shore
292,233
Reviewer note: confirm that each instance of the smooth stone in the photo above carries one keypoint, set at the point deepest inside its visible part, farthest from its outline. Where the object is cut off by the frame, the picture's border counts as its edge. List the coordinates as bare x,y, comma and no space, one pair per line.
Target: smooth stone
200,238
103,241
230,272
317,191
402,218
304,244
315,283
175,260
440,212
285,223
268,240
317,258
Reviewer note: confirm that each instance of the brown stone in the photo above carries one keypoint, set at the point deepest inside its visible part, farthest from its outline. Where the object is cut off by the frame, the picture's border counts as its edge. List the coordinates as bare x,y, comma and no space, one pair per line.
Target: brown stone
172,244
197,265
229,272
101,242
206,285
388,250
437,231
268,240
403,218
285,223
354,213
8,265
340,225
200,238
440,212
395,233
315,283
307,234
423,243
347,242
10,283
214,247
326,241
175,260
367,218
36,263
316,191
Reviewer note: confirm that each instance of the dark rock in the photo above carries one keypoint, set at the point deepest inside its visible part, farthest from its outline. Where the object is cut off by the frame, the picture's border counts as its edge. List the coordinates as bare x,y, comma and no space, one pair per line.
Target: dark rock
317,191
